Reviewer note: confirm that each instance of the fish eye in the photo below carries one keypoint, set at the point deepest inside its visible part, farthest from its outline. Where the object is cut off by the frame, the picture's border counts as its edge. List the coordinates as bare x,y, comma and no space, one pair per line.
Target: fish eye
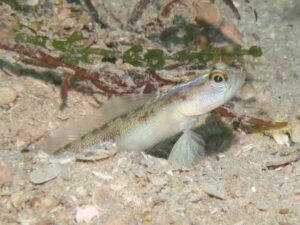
218,78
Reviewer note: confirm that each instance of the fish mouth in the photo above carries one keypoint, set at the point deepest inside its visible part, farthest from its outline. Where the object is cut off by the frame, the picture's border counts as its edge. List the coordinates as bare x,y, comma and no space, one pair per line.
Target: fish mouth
237,83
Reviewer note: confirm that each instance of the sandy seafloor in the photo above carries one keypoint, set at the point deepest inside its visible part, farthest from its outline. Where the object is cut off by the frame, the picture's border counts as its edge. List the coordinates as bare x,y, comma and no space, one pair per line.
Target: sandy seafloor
139,189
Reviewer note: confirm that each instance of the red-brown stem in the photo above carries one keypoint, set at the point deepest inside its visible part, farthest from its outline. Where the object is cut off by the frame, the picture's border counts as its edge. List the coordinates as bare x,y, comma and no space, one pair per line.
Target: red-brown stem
168,8
138,11
245,120
157,78
42,59
54,63
64,89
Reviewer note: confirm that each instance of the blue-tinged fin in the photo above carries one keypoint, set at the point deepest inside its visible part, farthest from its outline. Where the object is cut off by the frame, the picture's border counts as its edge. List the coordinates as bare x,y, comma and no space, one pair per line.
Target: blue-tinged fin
183,86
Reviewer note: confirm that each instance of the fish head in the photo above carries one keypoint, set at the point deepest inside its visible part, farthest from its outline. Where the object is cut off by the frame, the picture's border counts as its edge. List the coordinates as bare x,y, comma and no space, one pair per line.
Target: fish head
210,91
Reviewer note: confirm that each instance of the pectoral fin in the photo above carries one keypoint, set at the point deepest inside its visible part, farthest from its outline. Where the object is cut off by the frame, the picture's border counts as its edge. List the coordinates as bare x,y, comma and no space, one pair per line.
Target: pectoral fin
110,110
188,150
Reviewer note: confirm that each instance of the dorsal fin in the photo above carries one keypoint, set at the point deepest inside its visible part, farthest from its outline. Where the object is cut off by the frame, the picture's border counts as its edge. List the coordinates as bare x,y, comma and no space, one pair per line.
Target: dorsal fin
177,88
108,111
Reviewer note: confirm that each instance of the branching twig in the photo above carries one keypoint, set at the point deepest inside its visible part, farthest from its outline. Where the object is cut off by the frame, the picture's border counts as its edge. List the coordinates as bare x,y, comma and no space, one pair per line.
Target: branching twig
64,89
168,8
283,162
157,78
233,8
247,124
94,14
52,62
102,82
138,11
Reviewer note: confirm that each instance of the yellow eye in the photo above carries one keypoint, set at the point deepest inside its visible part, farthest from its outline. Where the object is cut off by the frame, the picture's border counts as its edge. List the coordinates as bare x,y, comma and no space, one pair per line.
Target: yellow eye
218,78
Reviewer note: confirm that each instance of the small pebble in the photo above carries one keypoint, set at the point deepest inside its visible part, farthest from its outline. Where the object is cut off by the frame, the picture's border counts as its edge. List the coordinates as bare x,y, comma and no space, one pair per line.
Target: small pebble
63,158
7,95
139,171
44,173
45,222
102,176
6,173
147,217
261,205
64,14
214,211
264,96
68,23
95,154
284,211
86,213
221,156
213,190
17,199
32,2
114,221
239,223
105,199
281,139
157,180
296,197
287,169
63,115
209,12
272,196
298,112
285,223
247,92
19,88
295,133
231,31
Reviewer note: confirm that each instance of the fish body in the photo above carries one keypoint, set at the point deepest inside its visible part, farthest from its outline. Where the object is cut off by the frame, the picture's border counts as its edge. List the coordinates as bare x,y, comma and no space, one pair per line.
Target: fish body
141,129
166,115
